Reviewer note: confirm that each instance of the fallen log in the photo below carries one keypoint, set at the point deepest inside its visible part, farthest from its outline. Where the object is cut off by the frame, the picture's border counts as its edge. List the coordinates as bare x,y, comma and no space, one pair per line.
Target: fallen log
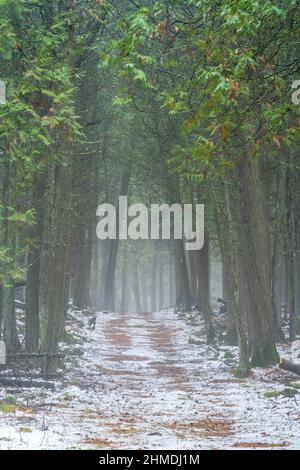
36,355
42,405
26,384
289,366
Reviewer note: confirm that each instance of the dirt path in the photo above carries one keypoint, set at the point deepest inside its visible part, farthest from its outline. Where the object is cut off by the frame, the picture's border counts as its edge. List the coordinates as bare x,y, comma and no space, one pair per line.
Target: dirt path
143,384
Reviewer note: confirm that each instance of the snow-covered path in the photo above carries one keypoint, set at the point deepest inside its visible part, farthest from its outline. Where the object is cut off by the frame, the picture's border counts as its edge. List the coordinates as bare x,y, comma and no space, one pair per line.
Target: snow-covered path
145,382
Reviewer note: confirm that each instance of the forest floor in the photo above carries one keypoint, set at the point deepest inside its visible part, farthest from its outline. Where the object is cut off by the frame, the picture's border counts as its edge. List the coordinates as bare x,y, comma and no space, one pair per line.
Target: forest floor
150,382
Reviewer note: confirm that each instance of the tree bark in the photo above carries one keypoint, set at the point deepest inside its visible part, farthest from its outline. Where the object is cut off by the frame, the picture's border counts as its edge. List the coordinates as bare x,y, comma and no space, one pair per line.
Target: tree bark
231,333
232,251
110,277
154,283
144,290
263,347
291,248
161,283
54,259
183,294
32,324
82,276
193,277
8,288
171,278
136,287
278,248
202,263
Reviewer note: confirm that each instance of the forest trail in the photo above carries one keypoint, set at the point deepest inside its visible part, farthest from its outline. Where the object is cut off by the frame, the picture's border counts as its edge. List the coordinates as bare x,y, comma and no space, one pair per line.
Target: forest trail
145,383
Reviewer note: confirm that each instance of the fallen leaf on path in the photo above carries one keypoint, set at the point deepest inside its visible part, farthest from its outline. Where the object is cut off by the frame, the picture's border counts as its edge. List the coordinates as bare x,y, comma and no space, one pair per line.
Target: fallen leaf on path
215,428
99,442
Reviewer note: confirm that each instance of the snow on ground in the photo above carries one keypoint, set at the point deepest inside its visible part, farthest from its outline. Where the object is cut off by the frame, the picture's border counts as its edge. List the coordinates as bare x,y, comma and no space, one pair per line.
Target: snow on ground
148,382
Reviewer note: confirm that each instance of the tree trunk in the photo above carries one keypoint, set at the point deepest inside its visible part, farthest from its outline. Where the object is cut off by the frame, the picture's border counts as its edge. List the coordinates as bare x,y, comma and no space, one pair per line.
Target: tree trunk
203,274
297,287
278,248
161,283
54,259
85,186
263,347
81,292
8,289
110,277
183,294
231,333
193,277
136,287
291,223
154,283
232,251
171,279
1,312
144,289
297,248
9,320
32,325
124,282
